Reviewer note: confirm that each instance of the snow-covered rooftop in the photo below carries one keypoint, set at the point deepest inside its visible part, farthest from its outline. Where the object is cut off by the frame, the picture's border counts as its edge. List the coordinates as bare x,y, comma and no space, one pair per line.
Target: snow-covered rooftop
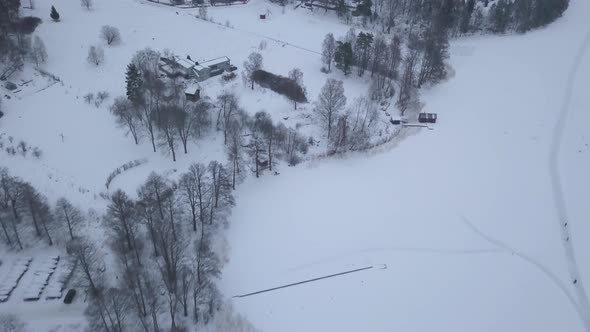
214,62
184,63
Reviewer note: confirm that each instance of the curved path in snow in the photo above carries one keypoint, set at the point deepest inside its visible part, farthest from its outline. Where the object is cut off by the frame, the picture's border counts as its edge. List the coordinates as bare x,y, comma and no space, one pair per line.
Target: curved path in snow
560,203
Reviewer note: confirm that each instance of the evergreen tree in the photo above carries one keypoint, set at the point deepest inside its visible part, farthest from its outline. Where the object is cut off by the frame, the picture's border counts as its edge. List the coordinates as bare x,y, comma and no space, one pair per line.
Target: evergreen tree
362,50
364,8
435,51
134,84
341,8
344,56
546,11
465,23
500,16
522,15
54,14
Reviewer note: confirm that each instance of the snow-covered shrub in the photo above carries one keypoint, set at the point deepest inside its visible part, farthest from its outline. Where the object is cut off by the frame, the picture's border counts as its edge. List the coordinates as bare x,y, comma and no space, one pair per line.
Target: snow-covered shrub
229,76
88,4
23,148
37,153
95,55
203,13
123,168
100,98
110,35
285,86
89,98
11,323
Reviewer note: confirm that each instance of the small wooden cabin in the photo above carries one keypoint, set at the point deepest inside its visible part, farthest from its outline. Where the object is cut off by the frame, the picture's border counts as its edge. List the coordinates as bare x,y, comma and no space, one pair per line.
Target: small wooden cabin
427,117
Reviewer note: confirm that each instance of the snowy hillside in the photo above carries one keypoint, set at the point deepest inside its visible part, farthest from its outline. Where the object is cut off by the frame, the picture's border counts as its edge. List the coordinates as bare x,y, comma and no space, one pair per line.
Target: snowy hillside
486,161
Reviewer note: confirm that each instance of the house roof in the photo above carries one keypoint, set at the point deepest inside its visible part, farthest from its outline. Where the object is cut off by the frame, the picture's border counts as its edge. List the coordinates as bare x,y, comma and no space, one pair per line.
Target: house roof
184,63
192,89
215,61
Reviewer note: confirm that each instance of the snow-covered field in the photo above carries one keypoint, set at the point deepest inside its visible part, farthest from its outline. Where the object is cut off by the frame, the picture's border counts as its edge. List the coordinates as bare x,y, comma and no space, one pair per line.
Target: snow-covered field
92,146
407,206
486,161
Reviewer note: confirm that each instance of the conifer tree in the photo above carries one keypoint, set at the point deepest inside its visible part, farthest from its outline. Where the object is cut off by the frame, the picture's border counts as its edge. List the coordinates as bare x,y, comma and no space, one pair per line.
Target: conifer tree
344,57
54,14
134,84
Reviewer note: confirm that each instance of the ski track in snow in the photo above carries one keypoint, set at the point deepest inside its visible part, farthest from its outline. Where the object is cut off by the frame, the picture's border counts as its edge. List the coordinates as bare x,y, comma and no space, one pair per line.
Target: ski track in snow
557,187
507,249
417,250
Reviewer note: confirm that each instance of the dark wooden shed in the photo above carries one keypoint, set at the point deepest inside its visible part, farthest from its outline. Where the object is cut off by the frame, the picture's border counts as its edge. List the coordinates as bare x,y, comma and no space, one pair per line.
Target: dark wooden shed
427,117
193,93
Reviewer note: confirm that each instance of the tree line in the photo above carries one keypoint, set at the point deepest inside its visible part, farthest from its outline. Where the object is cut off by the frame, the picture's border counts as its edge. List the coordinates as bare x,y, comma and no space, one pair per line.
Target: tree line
163,246
390,63
17,46
461,16
26,216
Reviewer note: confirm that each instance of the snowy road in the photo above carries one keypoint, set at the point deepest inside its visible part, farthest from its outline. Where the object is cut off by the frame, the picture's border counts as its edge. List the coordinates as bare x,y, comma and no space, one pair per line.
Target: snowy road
484,160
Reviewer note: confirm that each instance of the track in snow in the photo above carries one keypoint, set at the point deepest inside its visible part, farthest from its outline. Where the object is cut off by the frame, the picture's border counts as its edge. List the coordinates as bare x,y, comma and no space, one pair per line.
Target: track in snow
557,188
305,281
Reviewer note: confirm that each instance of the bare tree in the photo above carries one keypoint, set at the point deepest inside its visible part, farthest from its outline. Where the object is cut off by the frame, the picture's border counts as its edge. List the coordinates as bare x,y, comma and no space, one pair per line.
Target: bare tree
108,312
12,195
187,278
208,267
394,57
128,116
201,117
87,4
89,260
328,50
253,63
69,214
256,150
153,195
110,34
330,101
95,55
168,123
393,11
32,205
133,281
38,51
121,220
153,89
220,181
194,188
228,107
407,90
235,149
263,124
172,248
297,75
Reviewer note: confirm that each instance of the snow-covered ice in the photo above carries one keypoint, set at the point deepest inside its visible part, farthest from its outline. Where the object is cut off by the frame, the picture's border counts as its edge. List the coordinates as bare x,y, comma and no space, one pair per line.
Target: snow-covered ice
410,206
